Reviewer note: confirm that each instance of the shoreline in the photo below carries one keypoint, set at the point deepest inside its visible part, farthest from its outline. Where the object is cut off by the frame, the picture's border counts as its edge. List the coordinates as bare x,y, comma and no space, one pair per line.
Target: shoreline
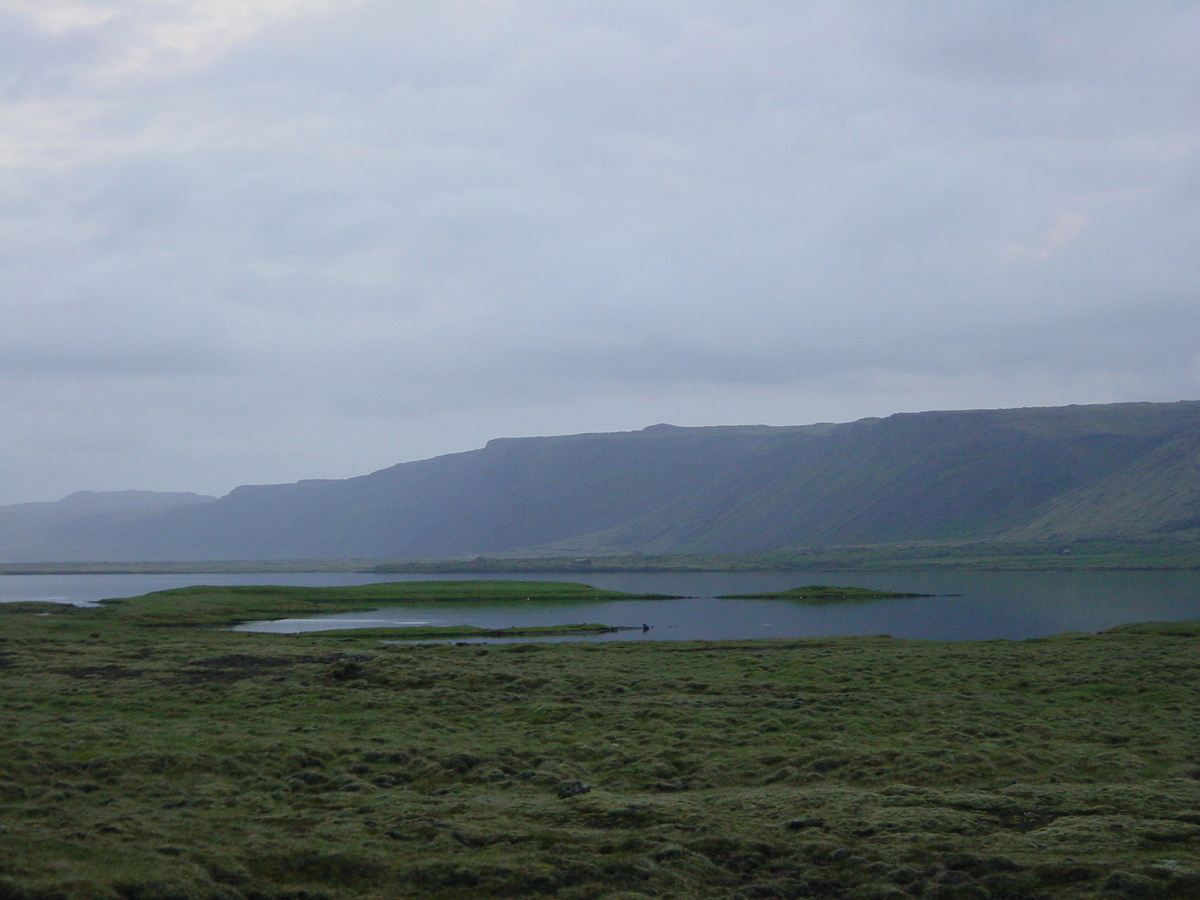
1098,555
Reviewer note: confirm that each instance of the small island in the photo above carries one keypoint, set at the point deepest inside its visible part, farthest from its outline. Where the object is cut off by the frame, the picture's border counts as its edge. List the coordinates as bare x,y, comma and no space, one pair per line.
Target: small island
824,593
224,605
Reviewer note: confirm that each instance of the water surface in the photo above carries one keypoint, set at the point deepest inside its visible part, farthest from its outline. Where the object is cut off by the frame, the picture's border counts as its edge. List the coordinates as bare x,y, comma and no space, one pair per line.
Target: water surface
966,605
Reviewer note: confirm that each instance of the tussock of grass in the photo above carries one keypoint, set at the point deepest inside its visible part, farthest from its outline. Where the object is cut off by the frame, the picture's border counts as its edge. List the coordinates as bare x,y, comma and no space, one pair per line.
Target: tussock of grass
151,764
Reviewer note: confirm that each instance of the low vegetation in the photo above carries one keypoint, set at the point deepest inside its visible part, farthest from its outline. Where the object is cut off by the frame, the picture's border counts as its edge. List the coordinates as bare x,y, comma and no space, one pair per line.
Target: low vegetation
231,604
992,556
1171,553
141,760
446,632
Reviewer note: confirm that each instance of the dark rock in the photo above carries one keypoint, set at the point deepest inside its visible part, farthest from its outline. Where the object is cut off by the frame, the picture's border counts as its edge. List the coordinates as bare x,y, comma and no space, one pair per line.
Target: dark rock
346,670
802,823
572,789
311,779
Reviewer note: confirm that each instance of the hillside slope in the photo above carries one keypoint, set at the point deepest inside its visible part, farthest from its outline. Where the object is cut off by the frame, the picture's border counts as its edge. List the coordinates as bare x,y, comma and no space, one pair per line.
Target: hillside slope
1117,470
69,528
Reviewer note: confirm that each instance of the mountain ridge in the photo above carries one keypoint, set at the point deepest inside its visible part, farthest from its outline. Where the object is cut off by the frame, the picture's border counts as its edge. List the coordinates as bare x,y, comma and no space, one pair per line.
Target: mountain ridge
1031,474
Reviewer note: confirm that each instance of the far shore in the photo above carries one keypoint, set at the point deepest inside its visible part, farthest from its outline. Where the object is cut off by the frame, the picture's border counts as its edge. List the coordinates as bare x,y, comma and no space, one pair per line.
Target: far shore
1132,555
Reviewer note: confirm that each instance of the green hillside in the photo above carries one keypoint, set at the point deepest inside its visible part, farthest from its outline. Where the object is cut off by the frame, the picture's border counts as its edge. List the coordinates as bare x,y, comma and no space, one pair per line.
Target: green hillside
1112,472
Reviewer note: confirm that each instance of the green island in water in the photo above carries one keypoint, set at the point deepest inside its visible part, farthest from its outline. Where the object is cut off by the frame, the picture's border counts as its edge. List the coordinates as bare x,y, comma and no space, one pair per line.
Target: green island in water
147,752
233,604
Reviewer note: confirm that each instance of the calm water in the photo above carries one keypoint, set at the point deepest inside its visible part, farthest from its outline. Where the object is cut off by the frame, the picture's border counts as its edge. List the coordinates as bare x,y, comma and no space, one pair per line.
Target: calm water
968,605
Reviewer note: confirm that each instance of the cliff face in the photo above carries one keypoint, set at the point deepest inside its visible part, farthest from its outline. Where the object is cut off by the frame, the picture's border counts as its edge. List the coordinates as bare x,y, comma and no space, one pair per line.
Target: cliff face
1117,470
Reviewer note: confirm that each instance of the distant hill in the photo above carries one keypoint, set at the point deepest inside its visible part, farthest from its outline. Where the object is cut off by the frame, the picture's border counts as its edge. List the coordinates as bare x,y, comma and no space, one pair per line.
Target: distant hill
66,529
1060,474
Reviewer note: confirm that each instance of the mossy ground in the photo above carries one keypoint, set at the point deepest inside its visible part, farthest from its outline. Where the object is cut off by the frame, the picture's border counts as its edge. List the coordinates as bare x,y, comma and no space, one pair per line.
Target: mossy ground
155,763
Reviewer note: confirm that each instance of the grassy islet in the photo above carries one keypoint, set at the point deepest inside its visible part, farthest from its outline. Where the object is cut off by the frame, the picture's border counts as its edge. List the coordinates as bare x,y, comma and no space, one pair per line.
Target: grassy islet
231,604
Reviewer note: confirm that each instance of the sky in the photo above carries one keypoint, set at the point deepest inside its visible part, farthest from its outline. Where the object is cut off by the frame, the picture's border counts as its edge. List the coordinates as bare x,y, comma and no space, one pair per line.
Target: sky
255,241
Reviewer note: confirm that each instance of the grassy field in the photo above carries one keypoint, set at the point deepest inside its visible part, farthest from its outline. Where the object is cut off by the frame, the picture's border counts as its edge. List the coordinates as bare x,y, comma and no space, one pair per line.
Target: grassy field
145,761
1145,554
1174,553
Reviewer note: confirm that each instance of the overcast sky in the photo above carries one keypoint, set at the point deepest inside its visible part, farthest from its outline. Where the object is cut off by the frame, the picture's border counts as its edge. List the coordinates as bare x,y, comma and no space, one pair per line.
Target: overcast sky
250,241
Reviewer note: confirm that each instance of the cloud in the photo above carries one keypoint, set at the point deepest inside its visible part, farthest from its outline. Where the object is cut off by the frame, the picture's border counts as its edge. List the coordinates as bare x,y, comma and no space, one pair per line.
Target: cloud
1060,234
306,238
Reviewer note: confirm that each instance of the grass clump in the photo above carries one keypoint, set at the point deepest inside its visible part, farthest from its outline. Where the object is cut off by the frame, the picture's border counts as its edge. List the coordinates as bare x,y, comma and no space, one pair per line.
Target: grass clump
179,762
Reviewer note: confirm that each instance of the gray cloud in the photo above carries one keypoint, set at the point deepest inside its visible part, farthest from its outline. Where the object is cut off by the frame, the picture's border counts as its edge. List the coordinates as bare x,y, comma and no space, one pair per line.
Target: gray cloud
253,241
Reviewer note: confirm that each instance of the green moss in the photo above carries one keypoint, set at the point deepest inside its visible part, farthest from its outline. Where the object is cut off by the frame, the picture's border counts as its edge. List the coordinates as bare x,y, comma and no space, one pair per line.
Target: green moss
173,762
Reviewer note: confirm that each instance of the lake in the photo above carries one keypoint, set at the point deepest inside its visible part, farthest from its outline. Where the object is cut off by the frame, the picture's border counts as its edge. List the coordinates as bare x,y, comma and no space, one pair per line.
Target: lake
966,605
